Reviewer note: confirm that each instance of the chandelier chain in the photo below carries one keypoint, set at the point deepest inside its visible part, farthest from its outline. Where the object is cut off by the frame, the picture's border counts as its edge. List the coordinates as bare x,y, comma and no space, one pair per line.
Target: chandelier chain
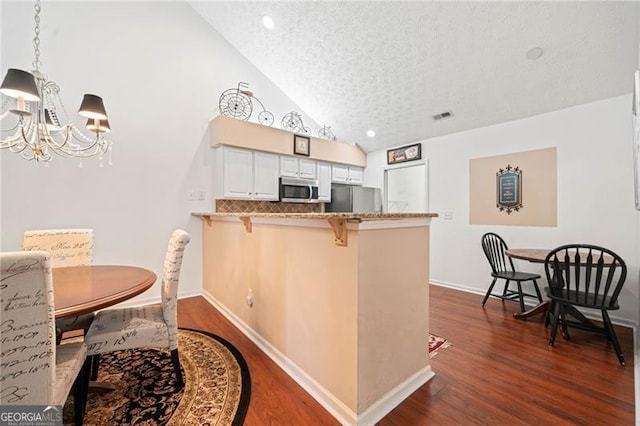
36,38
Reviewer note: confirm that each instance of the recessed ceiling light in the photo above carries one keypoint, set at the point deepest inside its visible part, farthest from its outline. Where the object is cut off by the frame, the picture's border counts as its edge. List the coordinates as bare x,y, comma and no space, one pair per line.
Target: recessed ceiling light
535,53
371,133
268,22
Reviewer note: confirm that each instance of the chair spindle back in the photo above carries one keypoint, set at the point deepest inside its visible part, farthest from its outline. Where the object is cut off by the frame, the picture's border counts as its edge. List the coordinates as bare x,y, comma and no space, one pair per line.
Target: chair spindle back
585,275
494,249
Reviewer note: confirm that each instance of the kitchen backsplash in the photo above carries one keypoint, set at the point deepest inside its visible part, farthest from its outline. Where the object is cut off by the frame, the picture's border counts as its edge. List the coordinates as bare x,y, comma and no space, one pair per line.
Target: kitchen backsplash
244,206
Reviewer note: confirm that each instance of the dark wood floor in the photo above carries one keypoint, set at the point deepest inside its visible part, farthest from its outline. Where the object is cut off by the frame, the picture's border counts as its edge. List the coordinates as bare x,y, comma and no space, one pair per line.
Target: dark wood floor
498,371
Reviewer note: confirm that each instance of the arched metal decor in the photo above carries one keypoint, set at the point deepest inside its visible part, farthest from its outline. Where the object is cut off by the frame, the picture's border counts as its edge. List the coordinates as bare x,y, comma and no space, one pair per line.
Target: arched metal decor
509,189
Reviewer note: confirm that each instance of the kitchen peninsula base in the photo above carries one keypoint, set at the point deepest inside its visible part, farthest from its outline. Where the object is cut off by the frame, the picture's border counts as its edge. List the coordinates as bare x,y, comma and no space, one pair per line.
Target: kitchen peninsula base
350,321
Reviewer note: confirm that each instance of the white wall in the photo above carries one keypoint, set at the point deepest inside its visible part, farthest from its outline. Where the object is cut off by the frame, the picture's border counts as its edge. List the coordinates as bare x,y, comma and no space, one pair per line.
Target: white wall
595,192
160,69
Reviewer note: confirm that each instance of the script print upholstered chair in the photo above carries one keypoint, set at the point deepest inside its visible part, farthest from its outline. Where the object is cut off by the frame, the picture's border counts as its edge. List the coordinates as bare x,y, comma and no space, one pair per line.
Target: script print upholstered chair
145,326
36,371
67,247
495,249
585,276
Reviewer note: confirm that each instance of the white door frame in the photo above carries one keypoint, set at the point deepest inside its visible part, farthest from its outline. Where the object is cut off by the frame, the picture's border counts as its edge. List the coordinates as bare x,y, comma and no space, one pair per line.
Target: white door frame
424,163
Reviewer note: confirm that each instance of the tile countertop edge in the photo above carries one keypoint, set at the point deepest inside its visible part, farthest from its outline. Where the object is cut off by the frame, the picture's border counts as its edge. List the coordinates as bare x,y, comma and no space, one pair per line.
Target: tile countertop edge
357,216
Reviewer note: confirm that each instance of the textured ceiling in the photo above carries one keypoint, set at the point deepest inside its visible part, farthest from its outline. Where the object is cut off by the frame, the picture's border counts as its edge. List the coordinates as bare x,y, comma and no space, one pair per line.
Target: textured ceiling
391,66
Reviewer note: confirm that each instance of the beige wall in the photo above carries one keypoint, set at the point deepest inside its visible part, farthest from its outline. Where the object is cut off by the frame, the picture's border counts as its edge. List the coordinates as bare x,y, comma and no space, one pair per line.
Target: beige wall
539,189
304,306
244,134
393,298
354,318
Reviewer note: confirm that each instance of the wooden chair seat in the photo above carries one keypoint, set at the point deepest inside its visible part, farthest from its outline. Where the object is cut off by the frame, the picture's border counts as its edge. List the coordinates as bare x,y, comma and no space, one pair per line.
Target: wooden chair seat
515,275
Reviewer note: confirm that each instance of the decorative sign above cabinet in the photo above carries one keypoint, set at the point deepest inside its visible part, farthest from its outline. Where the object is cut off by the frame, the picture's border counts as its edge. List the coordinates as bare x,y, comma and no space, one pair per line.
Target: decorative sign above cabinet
509,189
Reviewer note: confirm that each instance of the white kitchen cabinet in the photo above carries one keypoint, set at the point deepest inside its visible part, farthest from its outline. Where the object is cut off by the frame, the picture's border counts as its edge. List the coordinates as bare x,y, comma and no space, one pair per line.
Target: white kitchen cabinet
265,176
297,167
246,175
351,175
307,169
324,182
238,173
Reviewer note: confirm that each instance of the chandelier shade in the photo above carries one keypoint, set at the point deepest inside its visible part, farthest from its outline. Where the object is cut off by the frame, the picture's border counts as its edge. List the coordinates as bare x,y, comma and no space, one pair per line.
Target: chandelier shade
102,126
92,107
20,84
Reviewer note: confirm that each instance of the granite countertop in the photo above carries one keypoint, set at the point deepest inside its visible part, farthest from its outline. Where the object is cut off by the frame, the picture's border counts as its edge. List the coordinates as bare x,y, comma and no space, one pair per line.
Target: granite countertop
331,215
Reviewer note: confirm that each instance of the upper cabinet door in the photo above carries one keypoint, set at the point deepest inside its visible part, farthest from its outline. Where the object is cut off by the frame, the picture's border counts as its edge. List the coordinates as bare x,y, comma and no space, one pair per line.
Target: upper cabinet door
356,175
351,175
307,169
324,182
289,166
238,173
339,173
265,176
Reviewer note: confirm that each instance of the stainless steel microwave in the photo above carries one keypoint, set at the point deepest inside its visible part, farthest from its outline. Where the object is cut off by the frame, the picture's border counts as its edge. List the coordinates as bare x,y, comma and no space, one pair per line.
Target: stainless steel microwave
294,190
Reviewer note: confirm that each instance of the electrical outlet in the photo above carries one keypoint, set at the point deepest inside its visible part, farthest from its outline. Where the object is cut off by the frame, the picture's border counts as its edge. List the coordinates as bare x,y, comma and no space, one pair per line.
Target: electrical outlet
191,195
201,195
249,298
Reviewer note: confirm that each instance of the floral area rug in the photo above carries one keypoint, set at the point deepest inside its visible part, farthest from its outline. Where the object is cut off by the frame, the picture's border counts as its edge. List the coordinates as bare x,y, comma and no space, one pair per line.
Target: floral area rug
217,385
436,343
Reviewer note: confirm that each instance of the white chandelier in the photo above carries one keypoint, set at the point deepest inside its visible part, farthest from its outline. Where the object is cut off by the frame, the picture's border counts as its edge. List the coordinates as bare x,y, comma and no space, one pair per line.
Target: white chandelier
38,123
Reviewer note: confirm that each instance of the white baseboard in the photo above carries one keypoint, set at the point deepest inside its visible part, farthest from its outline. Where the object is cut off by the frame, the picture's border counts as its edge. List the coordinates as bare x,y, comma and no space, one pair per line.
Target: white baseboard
333,405
394,397
457,287
591,315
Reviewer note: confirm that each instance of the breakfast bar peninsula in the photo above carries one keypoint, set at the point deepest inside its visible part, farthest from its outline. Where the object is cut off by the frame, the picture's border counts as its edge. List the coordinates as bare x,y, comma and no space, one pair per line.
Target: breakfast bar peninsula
339,300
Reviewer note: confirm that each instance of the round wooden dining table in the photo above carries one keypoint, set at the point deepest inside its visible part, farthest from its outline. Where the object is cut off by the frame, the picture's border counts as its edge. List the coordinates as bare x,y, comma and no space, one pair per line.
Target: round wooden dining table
531,255
539,256
80,290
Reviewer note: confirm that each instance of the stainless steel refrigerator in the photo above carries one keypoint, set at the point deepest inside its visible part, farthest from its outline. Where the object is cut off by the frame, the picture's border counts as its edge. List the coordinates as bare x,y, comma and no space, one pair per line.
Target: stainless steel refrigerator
357,199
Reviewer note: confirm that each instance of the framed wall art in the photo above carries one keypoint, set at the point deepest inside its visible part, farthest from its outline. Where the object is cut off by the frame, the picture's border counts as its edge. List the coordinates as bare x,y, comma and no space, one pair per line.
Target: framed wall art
301,145
509,189
405,153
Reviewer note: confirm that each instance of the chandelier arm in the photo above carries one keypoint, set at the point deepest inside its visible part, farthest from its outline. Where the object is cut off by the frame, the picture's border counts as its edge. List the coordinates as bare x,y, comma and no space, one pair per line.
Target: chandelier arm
11,129
10,145
98,147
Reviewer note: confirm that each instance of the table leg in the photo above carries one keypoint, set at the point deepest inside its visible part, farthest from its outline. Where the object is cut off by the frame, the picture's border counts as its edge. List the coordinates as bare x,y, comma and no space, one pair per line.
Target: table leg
542,308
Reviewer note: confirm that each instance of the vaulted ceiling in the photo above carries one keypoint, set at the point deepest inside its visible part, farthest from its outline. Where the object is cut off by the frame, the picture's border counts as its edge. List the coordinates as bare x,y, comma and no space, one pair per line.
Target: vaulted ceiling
392,66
